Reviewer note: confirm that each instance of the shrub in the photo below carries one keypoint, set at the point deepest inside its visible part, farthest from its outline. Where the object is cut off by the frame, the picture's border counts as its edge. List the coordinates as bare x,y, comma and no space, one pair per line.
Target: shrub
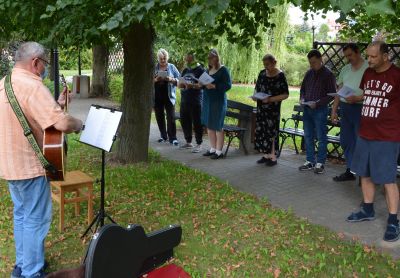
116,87
295,66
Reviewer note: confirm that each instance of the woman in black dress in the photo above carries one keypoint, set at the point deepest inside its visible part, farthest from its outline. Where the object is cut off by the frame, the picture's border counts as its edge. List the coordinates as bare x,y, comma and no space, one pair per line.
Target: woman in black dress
271,81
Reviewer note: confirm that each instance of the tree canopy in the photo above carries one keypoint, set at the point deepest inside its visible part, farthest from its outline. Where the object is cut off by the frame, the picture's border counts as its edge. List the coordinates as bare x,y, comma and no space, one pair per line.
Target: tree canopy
135,23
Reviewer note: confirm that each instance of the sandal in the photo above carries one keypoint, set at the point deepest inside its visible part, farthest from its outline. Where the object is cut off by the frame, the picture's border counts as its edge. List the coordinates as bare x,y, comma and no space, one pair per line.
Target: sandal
392,233
361,216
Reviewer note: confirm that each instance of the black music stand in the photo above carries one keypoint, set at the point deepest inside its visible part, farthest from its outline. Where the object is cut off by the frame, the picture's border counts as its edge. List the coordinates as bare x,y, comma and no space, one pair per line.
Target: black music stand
100,131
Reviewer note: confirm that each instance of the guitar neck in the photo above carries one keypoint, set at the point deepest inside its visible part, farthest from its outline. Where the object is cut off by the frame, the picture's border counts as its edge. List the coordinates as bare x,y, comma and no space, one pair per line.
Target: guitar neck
65,86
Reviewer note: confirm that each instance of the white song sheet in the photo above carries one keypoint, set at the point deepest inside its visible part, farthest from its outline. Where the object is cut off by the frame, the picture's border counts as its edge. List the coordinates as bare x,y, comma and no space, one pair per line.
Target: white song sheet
100,127
205,79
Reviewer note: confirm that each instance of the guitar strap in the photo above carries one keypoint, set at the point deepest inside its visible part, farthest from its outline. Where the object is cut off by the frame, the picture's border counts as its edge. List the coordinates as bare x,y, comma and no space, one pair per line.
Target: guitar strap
25,126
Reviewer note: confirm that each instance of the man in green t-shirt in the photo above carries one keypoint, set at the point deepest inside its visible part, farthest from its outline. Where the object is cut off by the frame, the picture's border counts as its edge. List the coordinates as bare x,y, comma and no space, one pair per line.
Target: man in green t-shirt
350,106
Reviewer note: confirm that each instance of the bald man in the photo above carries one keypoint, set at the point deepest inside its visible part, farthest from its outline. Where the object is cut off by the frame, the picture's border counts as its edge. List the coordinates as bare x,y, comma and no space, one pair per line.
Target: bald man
378,143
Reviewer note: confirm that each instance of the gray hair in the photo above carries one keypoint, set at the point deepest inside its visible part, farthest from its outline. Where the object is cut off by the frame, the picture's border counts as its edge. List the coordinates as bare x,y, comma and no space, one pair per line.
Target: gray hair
29,50
162,52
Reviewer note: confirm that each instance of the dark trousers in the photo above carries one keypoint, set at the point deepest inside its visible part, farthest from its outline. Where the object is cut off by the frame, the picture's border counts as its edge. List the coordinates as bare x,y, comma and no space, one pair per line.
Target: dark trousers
191,119
350,117
314,122
162,106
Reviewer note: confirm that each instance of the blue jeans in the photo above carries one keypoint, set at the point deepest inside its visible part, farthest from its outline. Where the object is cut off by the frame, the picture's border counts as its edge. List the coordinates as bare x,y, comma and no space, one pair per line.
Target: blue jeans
350,117
315,121
32,218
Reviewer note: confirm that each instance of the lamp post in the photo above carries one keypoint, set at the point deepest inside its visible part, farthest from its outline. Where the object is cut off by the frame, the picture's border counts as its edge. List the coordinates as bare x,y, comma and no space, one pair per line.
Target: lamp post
313,33
79,62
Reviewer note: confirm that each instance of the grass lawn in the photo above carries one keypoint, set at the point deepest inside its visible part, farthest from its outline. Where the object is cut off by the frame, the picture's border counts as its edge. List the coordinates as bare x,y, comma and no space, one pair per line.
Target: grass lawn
75,72
226,233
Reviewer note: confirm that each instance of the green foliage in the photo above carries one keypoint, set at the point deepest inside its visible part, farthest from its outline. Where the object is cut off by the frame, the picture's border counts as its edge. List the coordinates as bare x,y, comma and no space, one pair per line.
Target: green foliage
280,19
244,63
116,87
294,67
300,39
68,58
322,34
361,26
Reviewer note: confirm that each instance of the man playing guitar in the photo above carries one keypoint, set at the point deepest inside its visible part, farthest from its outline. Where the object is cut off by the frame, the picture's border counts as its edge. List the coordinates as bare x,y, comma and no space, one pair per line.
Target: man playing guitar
19,164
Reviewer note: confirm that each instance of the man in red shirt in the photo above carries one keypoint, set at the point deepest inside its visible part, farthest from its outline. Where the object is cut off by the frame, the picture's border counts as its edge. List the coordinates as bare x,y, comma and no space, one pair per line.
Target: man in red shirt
377,149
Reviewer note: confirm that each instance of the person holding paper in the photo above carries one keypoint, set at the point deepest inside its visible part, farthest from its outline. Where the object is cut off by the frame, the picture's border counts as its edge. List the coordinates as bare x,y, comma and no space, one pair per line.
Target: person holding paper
271,81
165,82
378,143
19,163
215,104
191,98
318,82
350,107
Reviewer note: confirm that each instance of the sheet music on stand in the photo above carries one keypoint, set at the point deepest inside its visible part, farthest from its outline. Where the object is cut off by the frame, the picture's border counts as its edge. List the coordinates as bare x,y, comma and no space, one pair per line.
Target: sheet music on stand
100,127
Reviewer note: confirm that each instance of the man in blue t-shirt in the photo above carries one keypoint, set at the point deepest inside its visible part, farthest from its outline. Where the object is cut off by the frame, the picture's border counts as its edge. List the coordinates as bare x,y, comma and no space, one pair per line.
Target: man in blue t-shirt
191,99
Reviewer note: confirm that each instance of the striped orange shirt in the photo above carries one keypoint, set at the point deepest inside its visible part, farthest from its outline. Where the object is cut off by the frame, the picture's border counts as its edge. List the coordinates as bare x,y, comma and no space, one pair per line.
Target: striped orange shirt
18,161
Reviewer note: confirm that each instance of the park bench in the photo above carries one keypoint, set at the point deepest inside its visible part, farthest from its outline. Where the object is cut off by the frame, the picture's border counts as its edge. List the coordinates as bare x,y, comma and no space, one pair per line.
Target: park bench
292,132
244,129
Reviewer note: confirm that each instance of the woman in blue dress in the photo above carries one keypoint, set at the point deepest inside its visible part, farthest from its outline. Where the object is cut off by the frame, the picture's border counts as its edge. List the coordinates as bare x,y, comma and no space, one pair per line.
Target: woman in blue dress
215,103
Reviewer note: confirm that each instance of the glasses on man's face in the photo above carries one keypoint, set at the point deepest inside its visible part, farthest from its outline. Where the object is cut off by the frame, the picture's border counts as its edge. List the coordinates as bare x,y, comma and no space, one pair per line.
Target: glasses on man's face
44,61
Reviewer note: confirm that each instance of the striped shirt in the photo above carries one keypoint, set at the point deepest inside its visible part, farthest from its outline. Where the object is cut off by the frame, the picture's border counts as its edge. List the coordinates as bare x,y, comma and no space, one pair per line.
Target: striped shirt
317,85
18,161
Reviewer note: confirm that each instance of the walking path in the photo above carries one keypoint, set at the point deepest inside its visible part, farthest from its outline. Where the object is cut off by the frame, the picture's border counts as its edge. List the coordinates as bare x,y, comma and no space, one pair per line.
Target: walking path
315,197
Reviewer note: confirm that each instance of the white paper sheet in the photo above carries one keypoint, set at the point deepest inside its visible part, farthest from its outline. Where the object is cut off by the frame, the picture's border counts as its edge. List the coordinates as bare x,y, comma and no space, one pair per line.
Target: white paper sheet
309,103
100,128
205,79
162,73
345,92
260,96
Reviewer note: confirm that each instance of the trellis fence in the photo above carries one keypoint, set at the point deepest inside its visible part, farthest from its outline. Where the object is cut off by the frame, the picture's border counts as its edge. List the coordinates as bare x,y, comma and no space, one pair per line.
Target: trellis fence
332,53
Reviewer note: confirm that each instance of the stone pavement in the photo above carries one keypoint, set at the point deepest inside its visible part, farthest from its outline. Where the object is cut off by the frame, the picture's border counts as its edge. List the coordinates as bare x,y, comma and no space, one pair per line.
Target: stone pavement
315,197
311,196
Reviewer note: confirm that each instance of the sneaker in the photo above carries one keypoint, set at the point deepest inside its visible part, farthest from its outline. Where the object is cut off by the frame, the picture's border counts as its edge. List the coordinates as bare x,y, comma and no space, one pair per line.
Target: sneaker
208,153
346,176
161,140
308,166
186,146
392,233
175,142
263,160
271,163
319,168
17,272
217,156
197,149
360,216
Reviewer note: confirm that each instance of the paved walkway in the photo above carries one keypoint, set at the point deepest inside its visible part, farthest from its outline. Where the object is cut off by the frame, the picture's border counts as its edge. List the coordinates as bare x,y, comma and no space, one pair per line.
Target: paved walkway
315,197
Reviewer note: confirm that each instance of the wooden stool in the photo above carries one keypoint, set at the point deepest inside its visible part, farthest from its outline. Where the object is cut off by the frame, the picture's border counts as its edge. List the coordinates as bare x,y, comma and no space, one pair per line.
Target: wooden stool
75,181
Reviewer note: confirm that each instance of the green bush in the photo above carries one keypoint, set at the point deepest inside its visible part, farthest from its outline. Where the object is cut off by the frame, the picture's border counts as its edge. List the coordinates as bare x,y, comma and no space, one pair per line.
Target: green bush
68,58
295,67
116,87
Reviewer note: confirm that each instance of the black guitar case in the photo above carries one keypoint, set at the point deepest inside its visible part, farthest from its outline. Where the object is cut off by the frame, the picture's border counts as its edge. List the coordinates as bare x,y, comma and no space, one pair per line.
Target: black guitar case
118,252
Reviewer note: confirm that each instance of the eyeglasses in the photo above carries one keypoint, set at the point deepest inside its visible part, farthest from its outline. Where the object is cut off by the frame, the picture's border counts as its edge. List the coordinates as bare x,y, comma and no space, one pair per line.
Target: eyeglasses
44,61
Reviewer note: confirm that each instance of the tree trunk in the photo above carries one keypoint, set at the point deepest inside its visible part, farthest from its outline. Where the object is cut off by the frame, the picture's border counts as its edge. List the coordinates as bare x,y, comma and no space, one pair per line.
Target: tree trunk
100,58
137,96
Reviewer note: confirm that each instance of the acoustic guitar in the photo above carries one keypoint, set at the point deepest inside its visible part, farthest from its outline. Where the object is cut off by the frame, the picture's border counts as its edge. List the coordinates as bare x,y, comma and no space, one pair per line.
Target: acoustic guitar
55,146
